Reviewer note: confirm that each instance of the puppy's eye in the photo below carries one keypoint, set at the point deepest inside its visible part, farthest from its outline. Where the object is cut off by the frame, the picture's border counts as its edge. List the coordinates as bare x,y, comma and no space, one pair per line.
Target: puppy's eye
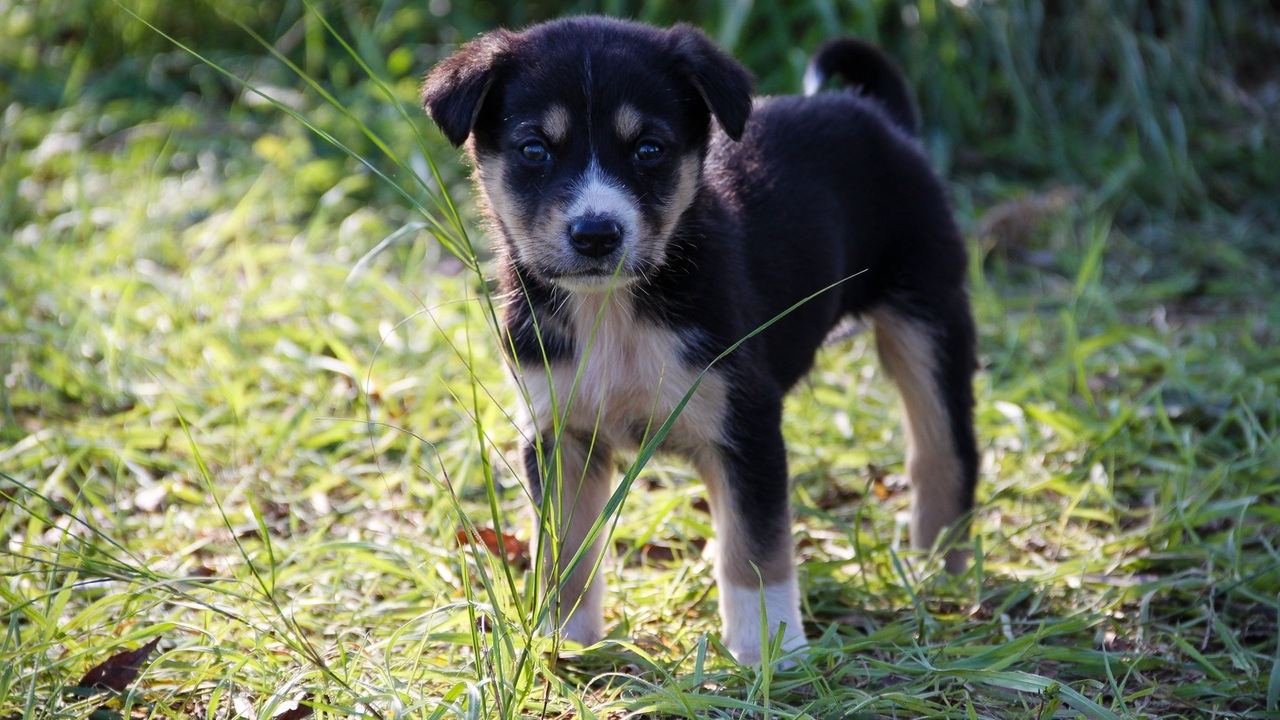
535,152
648,151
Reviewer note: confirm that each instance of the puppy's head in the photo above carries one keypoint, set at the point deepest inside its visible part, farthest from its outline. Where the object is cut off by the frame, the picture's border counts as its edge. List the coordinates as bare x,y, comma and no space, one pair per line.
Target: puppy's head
588,137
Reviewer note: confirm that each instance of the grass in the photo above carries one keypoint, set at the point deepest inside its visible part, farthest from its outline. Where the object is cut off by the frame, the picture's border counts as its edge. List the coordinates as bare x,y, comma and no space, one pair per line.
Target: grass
214,432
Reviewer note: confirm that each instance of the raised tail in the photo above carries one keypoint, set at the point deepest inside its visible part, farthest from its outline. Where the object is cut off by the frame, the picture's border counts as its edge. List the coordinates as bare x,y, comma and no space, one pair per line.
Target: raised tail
864,66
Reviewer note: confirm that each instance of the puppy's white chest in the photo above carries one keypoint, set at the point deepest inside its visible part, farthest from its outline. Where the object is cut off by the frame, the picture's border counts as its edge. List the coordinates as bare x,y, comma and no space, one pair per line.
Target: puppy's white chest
626,377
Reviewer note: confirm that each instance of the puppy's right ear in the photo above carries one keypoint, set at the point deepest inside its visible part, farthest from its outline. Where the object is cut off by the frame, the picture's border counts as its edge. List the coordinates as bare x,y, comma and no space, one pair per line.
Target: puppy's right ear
455,89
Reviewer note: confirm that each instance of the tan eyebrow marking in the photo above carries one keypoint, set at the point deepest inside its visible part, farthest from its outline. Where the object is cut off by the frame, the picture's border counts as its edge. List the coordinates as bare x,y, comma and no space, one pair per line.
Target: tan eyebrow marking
555,123
627,122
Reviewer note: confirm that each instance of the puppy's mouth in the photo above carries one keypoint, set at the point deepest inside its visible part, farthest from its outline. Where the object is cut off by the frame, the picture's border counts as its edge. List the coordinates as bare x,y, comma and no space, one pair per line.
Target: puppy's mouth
593,279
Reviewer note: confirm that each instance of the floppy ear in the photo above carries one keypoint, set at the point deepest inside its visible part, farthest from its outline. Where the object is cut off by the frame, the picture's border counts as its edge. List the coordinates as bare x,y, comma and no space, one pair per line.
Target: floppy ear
454,90
724,85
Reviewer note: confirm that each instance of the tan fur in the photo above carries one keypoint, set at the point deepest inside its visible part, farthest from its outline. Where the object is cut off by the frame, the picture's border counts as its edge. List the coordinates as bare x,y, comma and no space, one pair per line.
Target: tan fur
933,466
502,206
576,483
685,189
556,124
627,123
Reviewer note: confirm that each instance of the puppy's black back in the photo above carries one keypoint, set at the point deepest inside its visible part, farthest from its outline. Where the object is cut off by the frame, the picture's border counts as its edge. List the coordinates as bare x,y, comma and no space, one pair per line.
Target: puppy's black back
828,189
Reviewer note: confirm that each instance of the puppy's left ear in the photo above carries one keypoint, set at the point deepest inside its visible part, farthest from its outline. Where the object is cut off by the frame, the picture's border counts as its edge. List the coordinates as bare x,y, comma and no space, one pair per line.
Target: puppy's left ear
455,89
724,84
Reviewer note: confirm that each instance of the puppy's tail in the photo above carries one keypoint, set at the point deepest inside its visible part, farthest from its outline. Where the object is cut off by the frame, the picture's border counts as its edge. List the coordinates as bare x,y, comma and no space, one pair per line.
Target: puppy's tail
862,65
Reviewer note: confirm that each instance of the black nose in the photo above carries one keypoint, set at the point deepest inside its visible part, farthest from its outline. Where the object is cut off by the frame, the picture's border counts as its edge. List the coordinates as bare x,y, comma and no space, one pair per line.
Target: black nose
595,237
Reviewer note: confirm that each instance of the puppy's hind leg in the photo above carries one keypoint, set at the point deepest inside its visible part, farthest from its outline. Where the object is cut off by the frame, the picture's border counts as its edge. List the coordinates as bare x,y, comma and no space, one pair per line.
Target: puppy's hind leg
570,485
930,356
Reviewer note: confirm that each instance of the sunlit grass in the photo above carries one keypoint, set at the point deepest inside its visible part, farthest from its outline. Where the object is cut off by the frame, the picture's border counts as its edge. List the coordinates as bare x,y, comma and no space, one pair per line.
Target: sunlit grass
215,432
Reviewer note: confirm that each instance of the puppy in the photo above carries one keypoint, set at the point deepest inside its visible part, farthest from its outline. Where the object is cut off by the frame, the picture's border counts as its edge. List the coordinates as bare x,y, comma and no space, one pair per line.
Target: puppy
650,216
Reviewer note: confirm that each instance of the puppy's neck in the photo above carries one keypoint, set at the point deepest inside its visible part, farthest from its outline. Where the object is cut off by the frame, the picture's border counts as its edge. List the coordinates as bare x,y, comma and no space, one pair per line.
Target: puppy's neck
590,313
575,313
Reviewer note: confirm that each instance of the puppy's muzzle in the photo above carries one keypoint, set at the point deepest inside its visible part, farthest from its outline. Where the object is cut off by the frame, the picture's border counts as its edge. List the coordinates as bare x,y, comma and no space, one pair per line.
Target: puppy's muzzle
595,237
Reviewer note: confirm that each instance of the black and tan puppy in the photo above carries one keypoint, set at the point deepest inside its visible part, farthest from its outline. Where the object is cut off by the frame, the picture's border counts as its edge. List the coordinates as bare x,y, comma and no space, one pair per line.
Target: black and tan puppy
650,215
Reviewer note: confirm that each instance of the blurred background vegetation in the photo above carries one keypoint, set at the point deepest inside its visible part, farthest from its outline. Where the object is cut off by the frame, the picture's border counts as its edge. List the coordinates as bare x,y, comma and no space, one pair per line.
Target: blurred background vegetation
1171,103
134,129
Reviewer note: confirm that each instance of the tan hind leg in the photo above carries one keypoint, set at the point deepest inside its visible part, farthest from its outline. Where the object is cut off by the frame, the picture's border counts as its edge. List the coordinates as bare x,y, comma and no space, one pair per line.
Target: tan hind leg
932,365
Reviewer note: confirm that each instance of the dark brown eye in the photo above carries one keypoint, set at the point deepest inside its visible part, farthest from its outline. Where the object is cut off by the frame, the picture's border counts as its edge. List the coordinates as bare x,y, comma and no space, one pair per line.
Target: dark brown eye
648,151
535,152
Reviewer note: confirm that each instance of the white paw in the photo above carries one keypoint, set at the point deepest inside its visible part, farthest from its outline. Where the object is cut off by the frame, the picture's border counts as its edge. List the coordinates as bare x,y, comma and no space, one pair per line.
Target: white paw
750,652
583,628
585,622
740,612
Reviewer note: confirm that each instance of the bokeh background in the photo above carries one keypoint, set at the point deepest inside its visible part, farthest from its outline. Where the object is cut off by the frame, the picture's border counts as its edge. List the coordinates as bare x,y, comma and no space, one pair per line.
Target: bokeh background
1165,101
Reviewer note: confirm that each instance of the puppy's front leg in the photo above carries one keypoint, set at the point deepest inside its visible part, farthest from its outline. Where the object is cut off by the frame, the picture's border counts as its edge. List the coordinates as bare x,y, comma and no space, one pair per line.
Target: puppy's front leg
746,481
570,484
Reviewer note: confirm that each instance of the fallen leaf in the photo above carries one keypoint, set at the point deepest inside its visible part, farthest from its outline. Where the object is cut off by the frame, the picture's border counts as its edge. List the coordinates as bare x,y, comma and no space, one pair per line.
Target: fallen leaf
1014,222
658,553
885,484
837,496
879,489
508,547
661,552
116,672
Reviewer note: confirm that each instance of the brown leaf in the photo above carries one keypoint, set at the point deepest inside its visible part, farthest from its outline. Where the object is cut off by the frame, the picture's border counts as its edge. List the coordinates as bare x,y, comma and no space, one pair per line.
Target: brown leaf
660,552
836,496
516,551
1014,222
884,484
116,672
879,489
